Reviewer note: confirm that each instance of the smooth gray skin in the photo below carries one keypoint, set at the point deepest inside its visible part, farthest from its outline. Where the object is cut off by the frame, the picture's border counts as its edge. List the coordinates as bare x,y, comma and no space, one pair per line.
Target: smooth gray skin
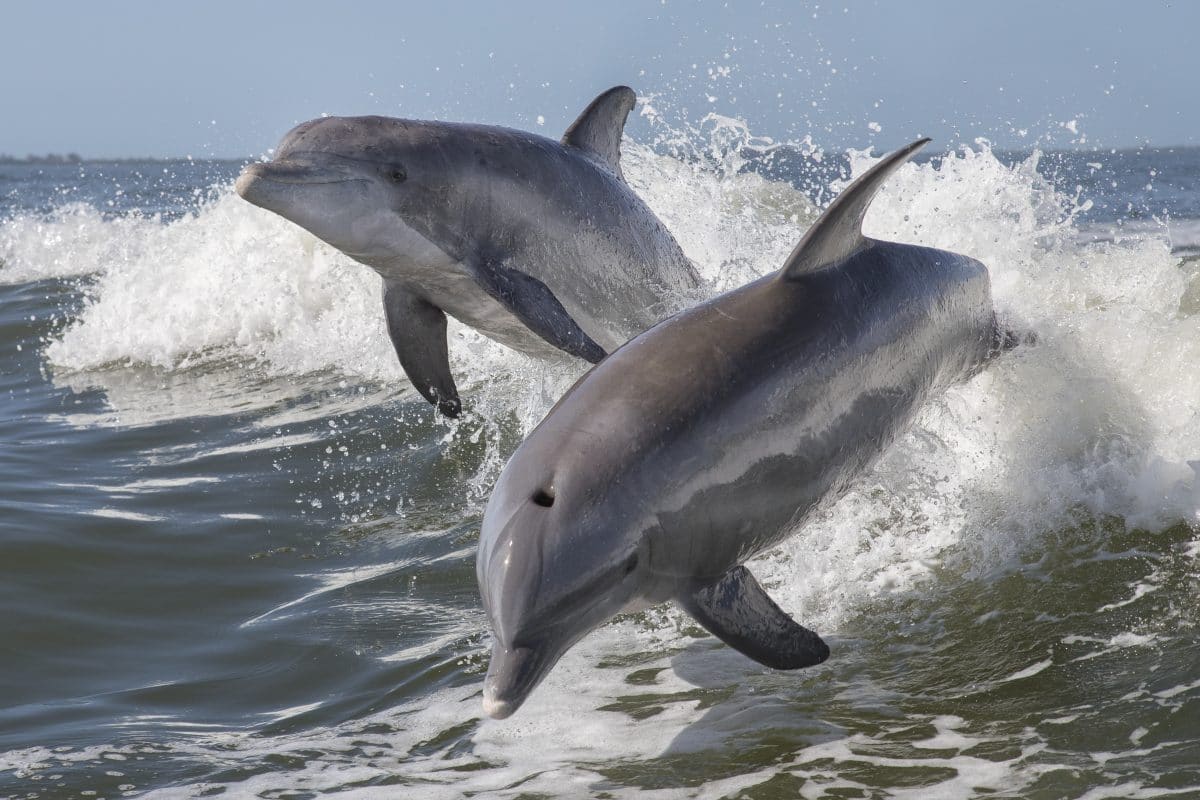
538,244
711,437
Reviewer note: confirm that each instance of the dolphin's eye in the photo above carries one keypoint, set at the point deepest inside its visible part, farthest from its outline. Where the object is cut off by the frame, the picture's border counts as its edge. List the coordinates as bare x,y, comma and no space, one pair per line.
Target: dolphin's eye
397,175
544,497
631,564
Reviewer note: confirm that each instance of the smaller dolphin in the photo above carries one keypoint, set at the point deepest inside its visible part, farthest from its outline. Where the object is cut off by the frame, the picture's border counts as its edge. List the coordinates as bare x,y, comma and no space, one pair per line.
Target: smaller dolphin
539,244
712,436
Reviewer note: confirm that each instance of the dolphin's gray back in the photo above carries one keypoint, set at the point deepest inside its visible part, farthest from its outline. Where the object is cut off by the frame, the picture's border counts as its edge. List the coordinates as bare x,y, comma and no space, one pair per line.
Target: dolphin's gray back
791,388
553,212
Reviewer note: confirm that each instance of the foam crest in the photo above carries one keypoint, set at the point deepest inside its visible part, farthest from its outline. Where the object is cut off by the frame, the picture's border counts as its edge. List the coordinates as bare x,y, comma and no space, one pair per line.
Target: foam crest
229,281
75,239
735,224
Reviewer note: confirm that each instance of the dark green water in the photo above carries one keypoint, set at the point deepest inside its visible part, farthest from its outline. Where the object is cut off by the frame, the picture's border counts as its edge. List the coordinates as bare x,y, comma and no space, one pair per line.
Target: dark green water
237,552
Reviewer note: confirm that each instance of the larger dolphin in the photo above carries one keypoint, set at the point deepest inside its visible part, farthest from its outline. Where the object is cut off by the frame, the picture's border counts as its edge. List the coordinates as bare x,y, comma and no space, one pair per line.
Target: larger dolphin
710,437
539,244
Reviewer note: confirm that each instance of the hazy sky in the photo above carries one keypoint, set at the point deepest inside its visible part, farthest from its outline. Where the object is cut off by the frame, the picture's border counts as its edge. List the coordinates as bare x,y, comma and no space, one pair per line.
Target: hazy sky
229,78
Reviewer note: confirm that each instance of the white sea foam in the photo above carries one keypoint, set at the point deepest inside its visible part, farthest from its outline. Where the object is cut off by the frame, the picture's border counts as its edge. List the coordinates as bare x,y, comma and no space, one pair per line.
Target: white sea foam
132,516
327,582
75,240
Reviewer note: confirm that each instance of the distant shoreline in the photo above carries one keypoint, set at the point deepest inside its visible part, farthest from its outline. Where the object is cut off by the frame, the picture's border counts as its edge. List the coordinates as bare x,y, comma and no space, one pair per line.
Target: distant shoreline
72,159
49,158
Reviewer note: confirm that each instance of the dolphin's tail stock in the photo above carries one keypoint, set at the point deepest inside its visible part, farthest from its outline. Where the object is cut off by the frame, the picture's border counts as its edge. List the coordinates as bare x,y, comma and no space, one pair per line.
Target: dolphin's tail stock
1005,338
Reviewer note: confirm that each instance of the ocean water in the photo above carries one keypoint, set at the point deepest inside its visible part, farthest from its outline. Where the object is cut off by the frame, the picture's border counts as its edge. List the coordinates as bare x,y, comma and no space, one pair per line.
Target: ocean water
237,550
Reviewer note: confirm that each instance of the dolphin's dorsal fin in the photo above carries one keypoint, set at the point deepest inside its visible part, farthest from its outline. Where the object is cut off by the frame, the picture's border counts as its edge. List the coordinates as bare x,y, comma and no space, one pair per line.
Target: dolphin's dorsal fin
598,129
837,235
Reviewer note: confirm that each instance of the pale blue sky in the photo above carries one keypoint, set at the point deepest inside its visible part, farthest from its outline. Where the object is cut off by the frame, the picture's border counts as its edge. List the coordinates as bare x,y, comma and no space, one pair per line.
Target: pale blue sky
229,78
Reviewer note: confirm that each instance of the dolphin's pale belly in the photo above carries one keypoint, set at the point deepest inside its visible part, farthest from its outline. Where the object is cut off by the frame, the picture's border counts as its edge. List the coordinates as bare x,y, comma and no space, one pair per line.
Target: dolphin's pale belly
470,305
448,284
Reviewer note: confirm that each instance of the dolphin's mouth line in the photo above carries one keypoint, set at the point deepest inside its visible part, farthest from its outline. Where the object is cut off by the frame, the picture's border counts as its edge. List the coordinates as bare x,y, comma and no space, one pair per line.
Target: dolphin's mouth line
545,649
578,605
301,172
579,609
301,155
523,667
302,181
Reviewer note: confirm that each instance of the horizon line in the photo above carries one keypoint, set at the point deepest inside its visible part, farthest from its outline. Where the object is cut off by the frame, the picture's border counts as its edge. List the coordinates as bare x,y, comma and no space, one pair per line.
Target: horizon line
75,159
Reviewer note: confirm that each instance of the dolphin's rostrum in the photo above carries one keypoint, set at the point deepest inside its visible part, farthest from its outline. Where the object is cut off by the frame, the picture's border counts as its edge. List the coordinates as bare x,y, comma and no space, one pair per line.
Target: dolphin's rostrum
710,437
539,244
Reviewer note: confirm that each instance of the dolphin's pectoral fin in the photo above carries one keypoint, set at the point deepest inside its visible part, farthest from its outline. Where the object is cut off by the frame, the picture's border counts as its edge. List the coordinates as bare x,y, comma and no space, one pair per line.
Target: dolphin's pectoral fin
532,302
418,332
737,610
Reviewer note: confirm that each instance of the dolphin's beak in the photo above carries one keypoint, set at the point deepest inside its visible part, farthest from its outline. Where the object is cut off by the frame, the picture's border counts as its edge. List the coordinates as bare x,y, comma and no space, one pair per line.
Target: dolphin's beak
512,675
257,180
248,181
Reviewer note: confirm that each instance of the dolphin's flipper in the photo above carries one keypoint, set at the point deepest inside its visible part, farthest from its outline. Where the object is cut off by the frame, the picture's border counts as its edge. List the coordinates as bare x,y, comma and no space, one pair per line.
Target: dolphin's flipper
418,332
737,610
598,129
837,234
532,302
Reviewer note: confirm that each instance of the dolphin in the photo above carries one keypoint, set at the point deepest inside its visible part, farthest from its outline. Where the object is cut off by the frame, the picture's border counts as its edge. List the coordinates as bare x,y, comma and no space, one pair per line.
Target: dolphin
711,437
540,245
